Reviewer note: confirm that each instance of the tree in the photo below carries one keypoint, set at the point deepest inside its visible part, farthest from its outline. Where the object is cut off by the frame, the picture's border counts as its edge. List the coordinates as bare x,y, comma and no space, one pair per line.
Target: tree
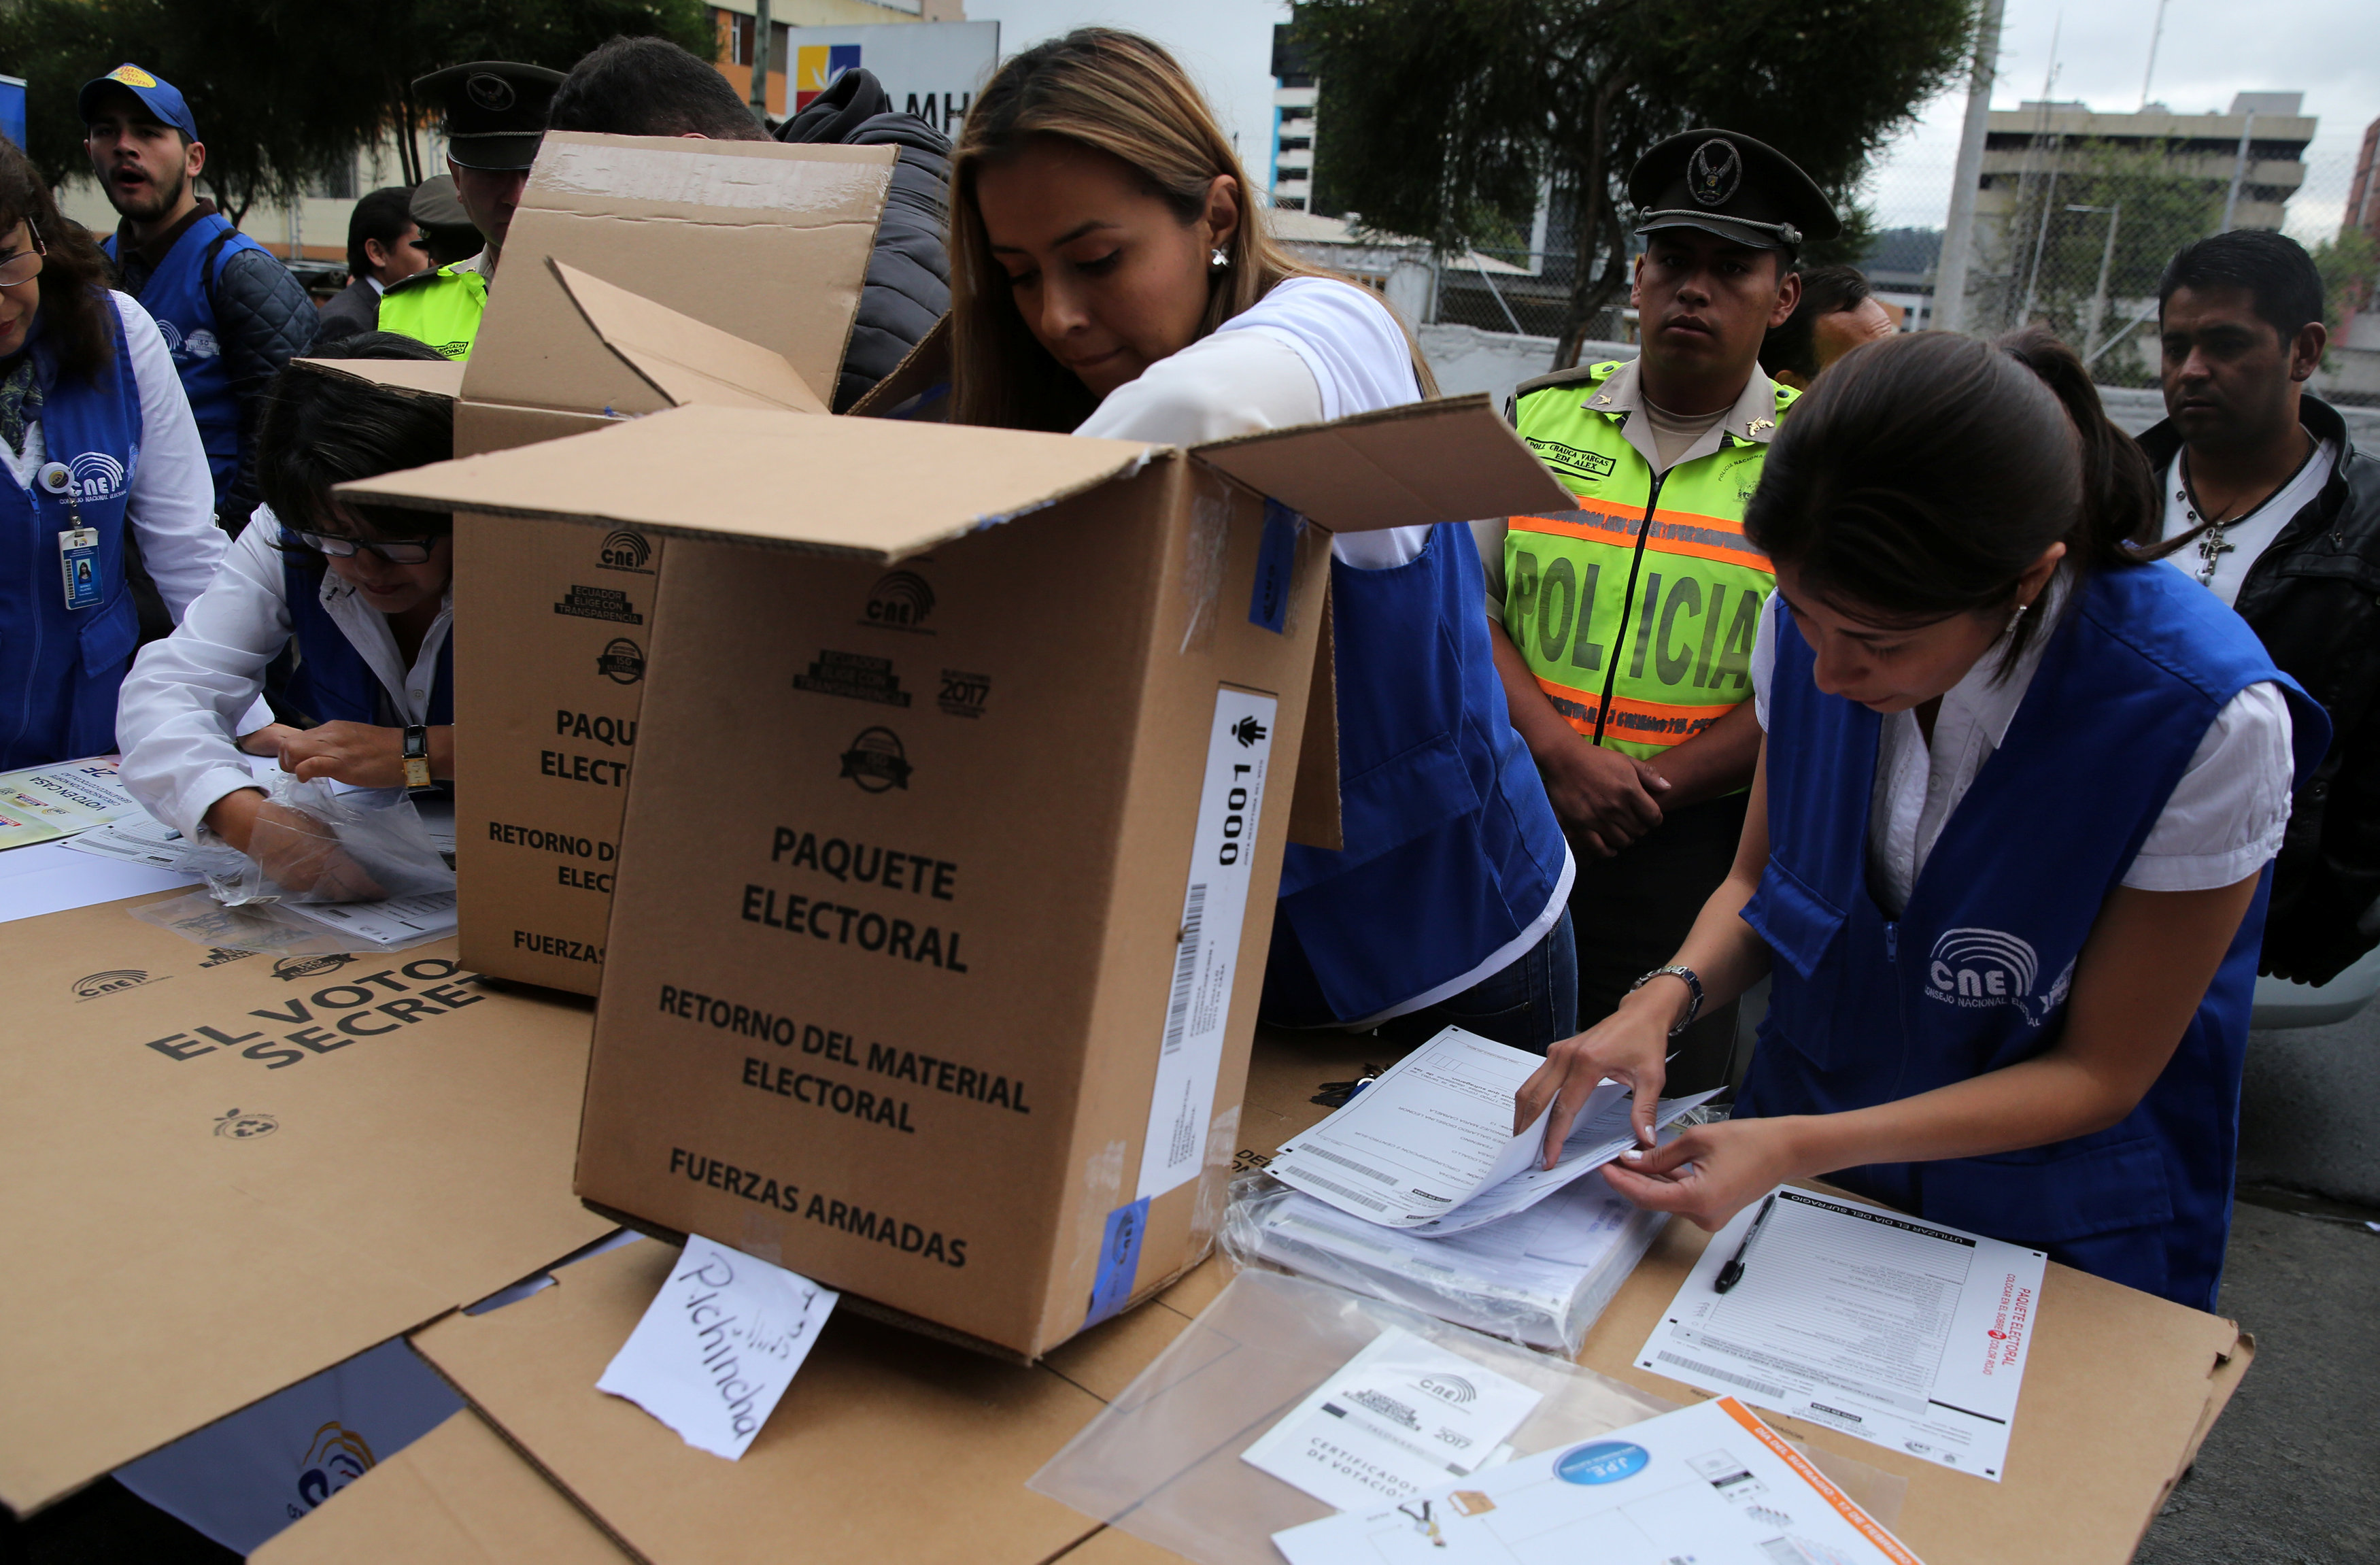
286,90
1446,118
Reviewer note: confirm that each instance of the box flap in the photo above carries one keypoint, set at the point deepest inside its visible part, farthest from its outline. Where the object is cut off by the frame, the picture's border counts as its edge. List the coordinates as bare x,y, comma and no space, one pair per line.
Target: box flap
871,487
768,242
919,385
423,377
1427,462
684,360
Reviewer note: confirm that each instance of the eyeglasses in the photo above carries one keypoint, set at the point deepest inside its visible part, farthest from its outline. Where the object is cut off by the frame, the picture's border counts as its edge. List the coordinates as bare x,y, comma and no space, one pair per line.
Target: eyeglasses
26,265
395,551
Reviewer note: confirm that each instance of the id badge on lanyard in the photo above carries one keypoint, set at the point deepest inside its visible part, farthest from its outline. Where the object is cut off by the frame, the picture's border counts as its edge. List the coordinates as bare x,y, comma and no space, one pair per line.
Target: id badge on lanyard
78,545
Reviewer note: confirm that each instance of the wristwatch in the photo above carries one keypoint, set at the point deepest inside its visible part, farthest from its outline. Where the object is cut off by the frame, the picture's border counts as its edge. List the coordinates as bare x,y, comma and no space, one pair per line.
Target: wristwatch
416,761
1693,993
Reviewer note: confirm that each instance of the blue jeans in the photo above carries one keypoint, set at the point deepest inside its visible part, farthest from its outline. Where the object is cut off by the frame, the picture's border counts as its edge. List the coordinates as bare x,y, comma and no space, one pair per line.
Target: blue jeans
1532,1004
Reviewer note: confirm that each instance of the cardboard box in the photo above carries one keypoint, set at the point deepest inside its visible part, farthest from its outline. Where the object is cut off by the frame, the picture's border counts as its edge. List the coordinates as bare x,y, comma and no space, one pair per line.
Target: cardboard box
225,1172
746,260
960,807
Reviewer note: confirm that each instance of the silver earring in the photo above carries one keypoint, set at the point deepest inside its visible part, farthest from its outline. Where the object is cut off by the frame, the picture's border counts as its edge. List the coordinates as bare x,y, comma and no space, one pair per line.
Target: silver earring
1217,260
2016,617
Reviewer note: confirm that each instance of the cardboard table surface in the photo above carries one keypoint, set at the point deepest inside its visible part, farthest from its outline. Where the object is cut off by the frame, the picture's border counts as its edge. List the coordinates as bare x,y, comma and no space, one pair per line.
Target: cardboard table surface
2120,1389
231,1172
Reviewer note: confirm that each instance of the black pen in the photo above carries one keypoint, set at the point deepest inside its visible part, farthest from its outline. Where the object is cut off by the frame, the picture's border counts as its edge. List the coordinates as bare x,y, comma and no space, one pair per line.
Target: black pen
1733,1273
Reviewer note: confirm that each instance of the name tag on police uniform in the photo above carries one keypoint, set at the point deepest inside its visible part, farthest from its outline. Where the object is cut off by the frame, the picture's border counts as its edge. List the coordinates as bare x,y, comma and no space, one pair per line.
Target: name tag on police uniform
78,558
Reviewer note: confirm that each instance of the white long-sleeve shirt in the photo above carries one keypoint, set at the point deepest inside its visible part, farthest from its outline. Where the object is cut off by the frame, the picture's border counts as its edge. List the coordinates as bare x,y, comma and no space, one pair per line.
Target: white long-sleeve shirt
171,503
184,701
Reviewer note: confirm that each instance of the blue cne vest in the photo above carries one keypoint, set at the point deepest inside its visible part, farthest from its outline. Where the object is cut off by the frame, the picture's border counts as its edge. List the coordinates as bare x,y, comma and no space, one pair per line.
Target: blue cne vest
1452,850
1974,975
334,683
59,667
180,295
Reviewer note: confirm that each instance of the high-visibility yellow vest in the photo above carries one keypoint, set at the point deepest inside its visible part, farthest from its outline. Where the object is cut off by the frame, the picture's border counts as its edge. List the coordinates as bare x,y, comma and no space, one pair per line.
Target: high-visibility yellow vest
439,308
1637,610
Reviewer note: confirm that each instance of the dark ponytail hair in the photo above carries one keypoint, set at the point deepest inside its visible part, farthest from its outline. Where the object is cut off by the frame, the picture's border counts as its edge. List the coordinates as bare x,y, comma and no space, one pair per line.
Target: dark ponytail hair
1924,474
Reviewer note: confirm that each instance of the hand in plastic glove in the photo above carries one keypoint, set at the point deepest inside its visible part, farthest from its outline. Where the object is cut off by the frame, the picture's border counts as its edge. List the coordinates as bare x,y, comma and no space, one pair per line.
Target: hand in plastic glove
296,851
361,755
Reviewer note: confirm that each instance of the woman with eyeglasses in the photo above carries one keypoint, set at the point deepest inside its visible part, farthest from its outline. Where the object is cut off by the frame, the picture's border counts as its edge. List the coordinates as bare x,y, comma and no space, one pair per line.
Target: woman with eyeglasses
363,595
105,459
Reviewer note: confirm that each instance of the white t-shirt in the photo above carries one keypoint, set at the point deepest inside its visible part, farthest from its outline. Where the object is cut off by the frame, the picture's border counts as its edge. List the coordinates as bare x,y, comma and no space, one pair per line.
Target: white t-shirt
2251,534
1312,350
2222,822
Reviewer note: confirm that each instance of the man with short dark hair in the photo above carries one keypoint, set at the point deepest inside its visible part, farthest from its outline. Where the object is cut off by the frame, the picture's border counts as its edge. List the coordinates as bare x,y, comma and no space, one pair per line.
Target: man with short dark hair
384,247
2268,504
651,87
230,311
1837,313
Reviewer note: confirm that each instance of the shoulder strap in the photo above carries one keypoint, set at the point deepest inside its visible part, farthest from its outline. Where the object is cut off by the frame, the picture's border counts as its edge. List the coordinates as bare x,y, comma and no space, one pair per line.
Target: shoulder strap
207,269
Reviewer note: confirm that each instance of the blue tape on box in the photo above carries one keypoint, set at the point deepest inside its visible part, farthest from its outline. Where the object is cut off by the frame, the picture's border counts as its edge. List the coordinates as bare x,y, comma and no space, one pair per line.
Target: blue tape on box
1119,1261
1276,560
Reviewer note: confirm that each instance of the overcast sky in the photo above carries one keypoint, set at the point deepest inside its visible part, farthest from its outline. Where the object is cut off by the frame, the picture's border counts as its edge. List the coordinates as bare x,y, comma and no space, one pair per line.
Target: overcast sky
2327,49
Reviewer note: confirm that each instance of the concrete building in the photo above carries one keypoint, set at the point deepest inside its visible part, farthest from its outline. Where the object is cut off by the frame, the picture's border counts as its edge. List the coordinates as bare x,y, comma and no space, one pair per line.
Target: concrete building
1290,170
2027,143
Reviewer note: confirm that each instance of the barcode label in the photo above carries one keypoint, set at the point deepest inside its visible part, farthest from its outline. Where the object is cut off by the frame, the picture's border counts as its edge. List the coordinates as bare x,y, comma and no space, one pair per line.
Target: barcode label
1305,1152
1185,966
1214,909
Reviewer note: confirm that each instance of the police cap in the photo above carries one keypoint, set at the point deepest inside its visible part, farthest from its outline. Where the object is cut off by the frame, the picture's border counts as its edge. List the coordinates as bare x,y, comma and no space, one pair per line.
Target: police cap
1727,184
495,110
435,204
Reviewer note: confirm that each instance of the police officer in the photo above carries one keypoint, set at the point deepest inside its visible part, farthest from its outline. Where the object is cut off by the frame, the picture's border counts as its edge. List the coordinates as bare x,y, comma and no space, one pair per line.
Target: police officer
231,314
496,117
1625,627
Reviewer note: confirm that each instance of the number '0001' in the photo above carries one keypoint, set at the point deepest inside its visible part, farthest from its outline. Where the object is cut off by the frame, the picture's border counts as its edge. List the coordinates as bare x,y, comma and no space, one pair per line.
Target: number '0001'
1234,823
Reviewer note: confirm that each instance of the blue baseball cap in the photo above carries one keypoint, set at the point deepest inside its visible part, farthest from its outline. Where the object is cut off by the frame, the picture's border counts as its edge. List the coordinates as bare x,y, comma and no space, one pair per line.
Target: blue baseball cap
160,98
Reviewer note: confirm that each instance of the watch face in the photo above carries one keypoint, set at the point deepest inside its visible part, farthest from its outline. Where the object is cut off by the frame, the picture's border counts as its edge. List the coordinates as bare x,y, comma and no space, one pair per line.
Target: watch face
417,771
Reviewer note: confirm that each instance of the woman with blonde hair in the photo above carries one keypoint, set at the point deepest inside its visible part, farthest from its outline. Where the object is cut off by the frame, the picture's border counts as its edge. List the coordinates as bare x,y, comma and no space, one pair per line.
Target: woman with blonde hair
1110,275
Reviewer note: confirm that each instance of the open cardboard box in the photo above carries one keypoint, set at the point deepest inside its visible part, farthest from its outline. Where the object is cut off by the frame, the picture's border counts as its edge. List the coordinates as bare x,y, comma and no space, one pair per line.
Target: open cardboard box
769,243
946,883
227,1171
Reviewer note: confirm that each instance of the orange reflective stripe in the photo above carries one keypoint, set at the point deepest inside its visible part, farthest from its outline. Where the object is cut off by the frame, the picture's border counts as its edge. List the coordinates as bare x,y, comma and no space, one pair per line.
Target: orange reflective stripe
1716,539
1645,722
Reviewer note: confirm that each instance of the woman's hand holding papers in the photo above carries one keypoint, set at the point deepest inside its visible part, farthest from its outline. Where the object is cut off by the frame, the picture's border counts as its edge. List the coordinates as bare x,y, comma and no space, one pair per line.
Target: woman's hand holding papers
1710,1172
1630,1046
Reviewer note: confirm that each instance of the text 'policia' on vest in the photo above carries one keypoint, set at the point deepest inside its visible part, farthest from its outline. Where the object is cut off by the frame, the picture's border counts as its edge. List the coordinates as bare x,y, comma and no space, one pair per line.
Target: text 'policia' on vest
1636,612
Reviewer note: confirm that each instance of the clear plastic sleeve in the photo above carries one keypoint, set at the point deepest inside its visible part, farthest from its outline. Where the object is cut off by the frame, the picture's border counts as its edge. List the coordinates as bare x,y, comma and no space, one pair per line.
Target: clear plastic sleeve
313,842
1480,1279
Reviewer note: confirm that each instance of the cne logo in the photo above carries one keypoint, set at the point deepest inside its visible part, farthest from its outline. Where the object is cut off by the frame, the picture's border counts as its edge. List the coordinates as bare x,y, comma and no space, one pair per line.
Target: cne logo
1976,969
202,344
290,969
236,1126
90,986
622,660
625,550
171,333
1452,1389
337,1457
97,476
900,600
877,761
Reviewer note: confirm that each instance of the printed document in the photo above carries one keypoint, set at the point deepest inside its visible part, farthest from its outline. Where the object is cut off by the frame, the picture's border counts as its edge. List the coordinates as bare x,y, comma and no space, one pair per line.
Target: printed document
41,804
1403,1416
1708,1485
718,1346
1429,1146
1907,1334
389,923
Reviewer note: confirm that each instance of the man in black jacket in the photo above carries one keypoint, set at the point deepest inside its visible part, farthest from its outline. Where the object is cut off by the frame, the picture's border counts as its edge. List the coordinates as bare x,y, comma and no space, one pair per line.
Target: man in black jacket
651,87
2268,504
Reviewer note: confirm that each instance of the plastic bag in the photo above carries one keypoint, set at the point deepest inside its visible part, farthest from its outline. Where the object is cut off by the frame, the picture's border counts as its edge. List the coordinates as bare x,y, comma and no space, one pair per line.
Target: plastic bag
1162,1462
313,842
1484,1279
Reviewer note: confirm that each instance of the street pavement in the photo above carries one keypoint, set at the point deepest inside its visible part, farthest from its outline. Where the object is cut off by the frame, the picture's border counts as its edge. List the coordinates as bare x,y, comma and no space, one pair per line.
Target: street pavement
2290,1476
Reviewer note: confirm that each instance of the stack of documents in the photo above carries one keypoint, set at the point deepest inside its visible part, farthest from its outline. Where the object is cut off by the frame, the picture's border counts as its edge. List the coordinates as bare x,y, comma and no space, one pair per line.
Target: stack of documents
41,804
1540,1277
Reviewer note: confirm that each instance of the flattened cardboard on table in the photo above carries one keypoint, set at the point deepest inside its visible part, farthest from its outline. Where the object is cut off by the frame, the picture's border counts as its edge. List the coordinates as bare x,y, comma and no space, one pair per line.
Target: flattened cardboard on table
768,242
225,1172
1001,668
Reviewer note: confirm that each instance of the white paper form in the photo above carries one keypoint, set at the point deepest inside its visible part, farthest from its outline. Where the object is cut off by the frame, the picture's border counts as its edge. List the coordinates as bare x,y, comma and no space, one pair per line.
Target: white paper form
139,840
718,1346
46,878
1214,909
398,921
1708,1484
1905,1333
1436,1131
41,804
1401,1416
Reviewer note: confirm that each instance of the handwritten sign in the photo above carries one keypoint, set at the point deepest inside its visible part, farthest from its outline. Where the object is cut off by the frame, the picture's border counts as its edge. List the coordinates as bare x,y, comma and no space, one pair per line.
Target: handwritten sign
719,1345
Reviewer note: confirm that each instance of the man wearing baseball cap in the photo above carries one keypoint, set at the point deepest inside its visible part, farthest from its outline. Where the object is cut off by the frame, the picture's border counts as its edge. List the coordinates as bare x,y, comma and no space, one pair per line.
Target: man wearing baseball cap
495,119
1624,629
231,313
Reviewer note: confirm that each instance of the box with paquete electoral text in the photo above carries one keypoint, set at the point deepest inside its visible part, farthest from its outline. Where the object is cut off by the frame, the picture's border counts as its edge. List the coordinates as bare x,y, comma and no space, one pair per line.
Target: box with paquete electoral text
965,770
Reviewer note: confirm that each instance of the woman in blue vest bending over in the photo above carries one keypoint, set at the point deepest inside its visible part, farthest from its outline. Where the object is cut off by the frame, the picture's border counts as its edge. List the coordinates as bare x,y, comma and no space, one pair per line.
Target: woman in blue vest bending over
100,450
2007,859
365,597
1109,278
